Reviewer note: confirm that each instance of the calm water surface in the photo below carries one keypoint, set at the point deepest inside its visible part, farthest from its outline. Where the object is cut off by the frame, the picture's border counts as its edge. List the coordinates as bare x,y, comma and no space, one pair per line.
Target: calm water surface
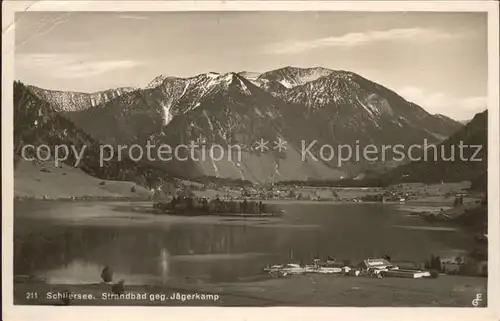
71,242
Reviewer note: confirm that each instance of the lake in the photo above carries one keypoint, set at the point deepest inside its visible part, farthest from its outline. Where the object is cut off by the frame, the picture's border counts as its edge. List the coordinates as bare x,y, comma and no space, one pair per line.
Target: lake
71,242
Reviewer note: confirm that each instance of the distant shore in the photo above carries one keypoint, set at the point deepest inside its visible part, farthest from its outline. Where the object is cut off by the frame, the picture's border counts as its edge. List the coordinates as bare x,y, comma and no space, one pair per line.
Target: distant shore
81,198
435,202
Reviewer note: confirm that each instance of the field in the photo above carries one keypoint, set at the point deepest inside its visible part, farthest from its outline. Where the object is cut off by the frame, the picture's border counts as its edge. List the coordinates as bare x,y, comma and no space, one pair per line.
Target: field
301,290
38,180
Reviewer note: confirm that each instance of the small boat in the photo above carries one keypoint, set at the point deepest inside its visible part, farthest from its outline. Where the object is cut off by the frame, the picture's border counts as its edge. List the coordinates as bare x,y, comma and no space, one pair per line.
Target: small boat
412,274
322,269
286,269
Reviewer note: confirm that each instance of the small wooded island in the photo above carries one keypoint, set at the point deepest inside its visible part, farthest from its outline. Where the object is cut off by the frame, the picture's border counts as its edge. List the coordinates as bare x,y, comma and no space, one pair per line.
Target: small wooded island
192,206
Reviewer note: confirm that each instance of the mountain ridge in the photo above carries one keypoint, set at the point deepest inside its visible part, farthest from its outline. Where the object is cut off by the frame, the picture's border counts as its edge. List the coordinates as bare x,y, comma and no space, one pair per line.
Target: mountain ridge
74,100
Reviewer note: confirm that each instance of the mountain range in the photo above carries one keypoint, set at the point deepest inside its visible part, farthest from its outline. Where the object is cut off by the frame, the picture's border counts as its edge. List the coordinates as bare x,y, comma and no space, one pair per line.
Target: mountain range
297,105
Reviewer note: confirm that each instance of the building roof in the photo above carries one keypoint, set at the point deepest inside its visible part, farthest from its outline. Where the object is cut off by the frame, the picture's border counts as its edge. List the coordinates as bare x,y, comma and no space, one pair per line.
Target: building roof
374,263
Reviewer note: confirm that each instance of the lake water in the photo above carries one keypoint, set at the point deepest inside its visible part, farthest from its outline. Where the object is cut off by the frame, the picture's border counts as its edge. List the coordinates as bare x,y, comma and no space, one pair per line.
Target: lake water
71,242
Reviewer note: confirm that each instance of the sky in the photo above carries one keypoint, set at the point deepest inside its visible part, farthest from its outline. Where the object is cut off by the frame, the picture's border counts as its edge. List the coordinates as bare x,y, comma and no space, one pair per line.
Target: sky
436,60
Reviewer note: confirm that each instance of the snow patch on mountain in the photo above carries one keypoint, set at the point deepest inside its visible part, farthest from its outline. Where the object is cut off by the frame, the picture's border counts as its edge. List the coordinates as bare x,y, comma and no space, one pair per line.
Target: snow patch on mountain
184,91
157,81
250,75
216,169
208,120
74,101
213,75
228,78
277,169
167,115
237,166
368,109
244,87
287,83
291,77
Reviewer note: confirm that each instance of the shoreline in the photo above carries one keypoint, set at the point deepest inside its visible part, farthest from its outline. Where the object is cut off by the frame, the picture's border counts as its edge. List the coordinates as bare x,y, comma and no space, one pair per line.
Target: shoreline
83,199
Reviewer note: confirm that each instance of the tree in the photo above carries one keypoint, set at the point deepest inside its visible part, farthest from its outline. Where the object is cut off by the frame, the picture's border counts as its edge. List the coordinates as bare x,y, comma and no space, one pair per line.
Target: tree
431,261
434,263
437,264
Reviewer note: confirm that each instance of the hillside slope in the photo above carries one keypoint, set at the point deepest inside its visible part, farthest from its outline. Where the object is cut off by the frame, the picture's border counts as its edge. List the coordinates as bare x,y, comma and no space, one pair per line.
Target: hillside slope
37,179
37,122
455,170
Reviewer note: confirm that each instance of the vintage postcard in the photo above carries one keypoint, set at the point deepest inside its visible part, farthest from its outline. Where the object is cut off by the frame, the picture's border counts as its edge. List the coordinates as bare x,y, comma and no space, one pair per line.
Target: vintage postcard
268,155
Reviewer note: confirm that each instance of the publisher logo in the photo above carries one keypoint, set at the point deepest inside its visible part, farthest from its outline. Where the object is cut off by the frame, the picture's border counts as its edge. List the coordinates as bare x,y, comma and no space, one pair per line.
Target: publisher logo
477,300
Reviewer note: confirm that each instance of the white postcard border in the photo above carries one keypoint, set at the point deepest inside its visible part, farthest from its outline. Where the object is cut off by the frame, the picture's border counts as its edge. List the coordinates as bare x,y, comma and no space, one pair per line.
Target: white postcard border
11,312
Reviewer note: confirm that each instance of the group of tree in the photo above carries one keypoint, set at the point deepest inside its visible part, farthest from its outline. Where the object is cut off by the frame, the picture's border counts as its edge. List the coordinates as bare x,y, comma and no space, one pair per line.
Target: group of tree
434,263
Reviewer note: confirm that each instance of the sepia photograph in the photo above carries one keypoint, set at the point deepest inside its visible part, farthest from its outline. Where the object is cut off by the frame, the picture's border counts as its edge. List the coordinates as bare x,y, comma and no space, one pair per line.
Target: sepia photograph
252,158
